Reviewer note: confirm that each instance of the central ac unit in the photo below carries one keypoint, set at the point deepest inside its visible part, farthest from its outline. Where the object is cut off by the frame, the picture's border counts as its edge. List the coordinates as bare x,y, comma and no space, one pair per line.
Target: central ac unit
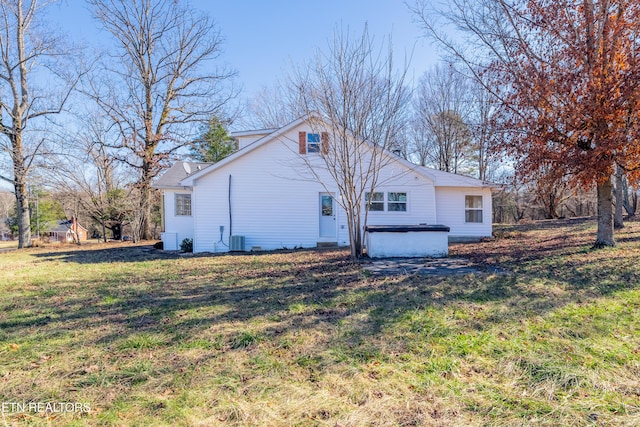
236,243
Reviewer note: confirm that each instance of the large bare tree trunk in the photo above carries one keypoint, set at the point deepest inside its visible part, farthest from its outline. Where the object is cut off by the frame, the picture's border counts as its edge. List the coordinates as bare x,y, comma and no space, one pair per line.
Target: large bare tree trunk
22,204
605,215
630,201
145,201
618,220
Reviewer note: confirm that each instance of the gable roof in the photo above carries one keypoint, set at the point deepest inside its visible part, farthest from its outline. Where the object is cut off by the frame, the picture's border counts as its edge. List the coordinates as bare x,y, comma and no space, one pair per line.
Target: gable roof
177,172
256,132
439,178
63,226
448,179
188,181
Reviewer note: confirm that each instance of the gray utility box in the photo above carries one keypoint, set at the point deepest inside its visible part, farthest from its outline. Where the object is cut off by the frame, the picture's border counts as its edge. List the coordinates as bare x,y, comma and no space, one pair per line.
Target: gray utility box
236,243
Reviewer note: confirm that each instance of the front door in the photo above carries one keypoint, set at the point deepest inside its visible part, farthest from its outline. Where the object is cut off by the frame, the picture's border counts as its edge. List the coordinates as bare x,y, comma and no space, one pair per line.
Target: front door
327,216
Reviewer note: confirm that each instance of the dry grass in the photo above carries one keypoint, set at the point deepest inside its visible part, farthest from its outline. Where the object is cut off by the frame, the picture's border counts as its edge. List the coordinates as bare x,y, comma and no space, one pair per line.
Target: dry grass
8,244
308,338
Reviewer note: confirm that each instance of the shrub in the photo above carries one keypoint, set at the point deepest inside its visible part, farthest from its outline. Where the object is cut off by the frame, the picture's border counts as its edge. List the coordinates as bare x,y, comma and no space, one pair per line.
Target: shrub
186,245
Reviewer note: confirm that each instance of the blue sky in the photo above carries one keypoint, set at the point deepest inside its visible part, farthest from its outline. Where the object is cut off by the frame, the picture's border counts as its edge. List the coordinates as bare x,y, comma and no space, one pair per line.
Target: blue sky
263,38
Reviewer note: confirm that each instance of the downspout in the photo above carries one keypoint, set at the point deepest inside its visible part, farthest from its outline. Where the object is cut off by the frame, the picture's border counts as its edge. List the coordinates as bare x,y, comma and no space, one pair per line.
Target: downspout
230,215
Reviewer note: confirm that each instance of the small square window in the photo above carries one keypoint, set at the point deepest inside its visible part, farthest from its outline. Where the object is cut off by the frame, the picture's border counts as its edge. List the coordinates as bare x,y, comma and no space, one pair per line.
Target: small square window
473,209
397,202
313,143
183,204
376,204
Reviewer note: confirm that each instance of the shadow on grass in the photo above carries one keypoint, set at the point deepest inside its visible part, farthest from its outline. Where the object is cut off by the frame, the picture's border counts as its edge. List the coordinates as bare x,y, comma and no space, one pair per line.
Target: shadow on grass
89,255
138,329
288,292
234,288
138,253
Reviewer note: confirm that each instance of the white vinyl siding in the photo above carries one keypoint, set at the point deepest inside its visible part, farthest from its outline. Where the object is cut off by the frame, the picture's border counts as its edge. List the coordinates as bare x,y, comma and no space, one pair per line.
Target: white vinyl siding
274,199
267,194
451,211
176,227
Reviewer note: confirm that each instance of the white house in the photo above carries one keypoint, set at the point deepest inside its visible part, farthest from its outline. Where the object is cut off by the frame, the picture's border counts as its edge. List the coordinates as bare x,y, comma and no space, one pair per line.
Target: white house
264,197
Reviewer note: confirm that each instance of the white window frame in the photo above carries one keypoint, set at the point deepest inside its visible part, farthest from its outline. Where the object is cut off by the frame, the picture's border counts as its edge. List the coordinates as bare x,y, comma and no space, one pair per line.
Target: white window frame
313,146
468,209
379,203
181,206
404,202
385,202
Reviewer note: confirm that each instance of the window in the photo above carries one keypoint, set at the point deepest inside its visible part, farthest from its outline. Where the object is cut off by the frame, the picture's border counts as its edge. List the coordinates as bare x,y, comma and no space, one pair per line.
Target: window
183,204
327,205
377,201
397,202
313,143
473,209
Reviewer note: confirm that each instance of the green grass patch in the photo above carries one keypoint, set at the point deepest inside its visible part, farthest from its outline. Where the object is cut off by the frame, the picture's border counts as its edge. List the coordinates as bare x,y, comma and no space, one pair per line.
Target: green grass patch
310,338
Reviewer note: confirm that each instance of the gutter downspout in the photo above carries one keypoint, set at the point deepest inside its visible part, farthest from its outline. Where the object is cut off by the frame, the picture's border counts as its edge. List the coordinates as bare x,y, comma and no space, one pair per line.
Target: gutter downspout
230,214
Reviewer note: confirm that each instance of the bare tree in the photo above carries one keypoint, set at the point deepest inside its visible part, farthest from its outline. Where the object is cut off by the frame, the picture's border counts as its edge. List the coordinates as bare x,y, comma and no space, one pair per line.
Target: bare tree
25,51
484,132
630,198
89,174
551,190
443,105
7,204
620,197
354,93
418,149
273,107
163,81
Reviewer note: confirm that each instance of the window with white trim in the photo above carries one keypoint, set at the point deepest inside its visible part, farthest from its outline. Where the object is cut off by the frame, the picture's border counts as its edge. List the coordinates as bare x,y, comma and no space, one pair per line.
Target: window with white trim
473,209
183,204
376,204
396,202
313,143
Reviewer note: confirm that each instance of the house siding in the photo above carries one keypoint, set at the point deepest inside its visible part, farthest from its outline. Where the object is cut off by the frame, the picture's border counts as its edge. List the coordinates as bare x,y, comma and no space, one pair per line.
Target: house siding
450,209
275,200
182,226
269,209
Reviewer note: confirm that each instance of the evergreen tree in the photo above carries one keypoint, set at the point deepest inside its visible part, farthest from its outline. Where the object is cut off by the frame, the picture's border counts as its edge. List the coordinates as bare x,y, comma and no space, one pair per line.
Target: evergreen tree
215,143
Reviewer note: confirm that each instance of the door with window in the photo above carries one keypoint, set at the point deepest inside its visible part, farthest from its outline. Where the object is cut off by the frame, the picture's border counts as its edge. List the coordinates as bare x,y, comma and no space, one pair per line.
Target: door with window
327,217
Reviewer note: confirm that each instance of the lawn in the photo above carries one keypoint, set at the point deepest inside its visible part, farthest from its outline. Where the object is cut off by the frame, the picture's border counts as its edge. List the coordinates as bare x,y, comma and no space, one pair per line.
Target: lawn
8,244
126,335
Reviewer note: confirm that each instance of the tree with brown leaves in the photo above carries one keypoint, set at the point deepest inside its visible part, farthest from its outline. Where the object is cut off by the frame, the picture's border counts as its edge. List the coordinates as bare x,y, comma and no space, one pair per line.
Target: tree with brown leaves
567,76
